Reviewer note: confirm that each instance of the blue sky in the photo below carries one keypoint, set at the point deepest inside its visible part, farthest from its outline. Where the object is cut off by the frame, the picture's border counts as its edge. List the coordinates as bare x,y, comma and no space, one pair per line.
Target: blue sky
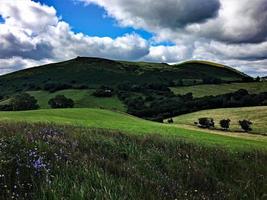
35,32
90,19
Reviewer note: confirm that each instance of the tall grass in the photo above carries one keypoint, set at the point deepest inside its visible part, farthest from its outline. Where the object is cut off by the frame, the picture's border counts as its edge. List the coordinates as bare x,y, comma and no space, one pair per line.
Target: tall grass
45,161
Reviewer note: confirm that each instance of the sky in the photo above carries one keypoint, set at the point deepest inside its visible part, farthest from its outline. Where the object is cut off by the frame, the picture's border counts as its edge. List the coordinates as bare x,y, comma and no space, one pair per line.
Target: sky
231,32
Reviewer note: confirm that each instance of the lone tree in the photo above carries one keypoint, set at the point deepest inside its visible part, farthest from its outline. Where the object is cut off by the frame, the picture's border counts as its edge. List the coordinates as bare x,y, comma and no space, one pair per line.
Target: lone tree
225,124
206,122
23,101
246,125
60,101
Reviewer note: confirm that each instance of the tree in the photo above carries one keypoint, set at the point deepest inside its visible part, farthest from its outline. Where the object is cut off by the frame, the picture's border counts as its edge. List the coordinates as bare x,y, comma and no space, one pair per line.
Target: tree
225,123
246,125
206,122
103,91
60,101
170,121
23,101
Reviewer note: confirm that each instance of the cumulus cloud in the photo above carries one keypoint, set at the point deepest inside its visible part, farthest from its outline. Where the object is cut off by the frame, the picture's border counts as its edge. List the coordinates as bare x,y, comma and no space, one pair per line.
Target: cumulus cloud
164,14
167,54
228,31
238,22
32,32
223,30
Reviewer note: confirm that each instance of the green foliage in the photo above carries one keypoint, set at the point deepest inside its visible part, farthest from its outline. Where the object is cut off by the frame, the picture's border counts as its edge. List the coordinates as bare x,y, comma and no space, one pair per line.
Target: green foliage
206,122
23,101
225,123
246,125
42,161
104,91
60,101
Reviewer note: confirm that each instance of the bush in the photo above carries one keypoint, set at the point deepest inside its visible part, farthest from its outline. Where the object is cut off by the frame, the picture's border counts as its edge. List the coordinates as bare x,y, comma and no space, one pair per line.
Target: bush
60,101
225,123
170,121
23,101
246,125
103,92
53,87
206,122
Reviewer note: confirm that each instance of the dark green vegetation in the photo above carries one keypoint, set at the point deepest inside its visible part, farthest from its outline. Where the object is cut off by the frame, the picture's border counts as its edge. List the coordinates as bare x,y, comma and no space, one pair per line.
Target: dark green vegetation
158,103
94,72
257,115
40,161
60,101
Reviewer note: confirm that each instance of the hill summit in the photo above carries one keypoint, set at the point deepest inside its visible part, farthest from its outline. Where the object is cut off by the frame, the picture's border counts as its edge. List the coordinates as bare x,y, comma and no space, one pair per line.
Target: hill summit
93,72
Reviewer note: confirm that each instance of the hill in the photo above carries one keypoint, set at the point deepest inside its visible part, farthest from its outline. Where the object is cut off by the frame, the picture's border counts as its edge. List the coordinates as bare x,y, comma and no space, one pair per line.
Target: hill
104,119
93,72
258,115
218,89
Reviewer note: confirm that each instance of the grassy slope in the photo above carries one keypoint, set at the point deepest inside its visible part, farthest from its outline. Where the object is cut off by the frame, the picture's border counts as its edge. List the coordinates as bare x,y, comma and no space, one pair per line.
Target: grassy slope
98,164
96,118
206,90
258,115
82,99
94,72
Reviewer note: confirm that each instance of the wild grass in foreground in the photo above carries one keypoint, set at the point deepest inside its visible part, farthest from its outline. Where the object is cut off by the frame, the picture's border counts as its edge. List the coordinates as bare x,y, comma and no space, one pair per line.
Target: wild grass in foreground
44,161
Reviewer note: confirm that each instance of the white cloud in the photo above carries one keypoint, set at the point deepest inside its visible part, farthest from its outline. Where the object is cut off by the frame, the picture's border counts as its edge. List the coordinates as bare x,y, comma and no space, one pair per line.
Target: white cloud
33,32
167,54
228,31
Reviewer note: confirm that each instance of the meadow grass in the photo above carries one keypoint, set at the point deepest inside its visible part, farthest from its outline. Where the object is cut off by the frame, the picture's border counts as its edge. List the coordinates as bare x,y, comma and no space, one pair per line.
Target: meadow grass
104,119
207,90
258,115
51,162
81,98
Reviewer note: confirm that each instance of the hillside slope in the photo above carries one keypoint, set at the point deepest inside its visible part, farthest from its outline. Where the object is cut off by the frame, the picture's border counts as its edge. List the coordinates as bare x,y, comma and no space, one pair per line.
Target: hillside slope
218,89
104,119
93,72
258,115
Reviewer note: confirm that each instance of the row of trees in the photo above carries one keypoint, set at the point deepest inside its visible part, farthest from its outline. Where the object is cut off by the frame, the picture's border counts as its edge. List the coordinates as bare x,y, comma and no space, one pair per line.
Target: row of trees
224,123
25,101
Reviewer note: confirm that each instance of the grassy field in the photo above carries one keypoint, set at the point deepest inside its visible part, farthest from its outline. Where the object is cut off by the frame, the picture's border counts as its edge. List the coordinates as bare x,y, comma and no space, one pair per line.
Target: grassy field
81,98
207,90
258,115
52,162
104,119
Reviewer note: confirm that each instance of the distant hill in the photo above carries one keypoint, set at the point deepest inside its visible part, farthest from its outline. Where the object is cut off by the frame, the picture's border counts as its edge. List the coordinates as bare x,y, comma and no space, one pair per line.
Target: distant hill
94,72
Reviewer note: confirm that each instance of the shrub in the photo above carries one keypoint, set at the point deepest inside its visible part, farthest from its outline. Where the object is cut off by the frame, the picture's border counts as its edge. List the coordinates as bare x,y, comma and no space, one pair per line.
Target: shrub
225,123
206,122
246,125
170,121
60,101
103,92
23,101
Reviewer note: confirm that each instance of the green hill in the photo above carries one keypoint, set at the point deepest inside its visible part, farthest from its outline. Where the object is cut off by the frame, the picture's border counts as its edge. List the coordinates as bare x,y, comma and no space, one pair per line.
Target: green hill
97,118
94,72
258,115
